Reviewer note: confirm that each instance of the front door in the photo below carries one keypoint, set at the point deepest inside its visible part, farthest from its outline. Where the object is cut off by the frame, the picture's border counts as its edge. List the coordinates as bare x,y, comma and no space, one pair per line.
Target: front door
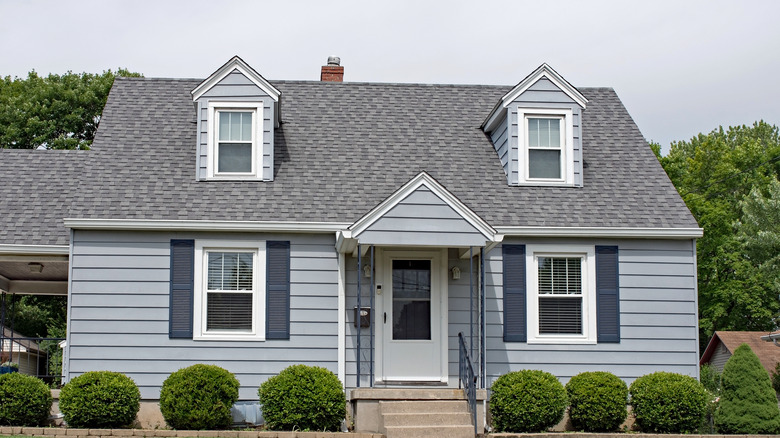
414,317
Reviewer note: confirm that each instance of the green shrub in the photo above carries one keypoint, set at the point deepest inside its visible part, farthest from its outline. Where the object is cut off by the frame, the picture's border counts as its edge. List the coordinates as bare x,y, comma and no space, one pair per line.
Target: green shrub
302,397
199,397
748,404
100,399
527,401
24,400
776,378
710,378
668,402
597,401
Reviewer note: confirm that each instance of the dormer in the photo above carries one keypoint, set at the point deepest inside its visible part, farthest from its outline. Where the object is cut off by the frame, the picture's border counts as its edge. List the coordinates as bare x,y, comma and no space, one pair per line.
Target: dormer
536,131
237,111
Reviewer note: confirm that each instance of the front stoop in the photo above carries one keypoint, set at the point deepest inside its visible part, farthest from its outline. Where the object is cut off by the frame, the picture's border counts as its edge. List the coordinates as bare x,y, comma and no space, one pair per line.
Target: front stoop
412,419
415,412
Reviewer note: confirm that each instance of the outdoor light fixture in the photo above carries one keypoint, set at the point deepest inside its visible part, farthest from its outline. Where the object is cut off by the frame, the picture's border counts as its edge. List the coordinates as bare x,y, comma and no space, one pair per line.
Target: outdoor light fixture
367,271
35,267
456,273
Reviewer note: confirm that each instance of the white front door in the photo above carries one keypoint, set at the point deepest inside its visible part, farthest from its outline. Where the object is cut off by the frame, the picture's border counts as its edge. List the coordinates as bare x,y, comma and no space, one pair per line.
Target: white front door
413,318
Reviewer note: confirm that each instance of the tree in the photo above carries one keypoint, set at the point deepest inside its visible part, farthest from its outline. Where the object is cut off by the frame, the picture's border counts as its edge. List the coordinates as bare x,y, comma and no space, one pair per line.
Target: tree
54,112
748,404
759,231
714,173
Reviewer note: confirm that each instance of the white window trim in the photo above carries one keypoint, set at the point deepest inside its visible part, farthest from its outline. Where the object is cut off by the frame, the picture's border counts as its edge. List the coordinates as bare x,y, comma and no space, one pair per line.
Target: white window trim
567,148
588,254
257,139
202,247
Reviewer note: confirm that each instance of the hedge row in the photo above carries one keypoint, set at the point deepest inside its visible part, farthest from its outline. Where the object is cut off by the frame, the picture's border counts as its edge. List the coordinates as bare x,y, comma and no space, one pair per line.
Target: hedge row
196,397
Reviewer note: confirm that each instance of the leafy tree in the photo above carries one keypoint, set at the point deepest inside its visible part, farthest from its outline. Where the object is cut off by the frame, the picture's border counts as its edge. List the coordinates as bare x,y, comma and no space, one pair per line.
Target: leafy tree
54,112
714,173
748,404
759,231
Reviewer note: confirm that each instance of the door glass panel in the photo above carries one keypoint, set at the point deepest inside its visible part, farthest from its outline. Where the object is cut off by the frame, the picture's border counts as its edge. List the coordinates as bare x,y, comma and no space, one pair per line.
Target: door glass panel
411,299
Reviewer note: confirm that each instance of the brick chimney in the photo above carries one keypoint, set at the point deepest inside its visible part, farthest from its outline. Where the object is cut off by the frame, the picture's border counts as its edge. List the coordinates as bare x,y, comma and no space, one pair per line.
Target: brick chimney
333,72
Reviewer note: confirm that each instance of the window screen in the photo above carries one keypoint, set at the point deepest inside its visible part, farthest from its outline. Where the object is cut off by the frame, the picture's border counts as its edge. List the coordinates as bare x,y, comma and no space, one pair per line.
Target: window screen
230,289
560,295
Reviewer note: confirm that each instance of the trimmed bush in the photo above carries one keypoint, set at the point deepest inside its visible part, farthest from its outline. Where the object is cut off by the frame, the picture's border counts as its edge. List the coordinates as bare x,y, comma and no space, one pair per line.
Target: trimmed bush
527,401
199,397
597,401
668,402
100,399
748,404
303,397
24,400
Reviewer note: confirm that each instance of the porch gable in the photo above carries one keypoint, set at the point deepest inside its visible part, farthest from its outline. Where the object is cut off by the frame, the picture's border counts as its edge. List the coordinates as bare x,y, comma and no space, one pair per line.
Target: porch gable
422,213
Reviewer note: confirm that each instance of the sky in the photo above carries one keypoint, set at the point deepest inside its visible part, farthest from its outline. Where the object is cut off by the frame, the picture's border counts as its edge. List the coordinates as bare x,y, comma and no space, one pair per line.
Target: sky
680,67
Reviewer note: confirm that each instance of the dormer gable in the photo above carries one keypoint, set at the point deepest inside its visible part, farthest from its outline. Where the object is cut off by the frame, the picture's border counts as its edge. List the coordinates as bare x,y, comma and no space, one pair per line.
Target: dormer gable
237,111
536,130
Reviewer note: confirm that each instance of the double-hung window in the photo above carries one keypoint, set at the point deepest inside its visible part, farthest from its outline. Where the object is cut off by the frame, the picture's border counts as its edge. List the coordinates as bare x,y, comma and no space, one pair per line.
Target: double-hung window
235,140
561,294
229,290
546,146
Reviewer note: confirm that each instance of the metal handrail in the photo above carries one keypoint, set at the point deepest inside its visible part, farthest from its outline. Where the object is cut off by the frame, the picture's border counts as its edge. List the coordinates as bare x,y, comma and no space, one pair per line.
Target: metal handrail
467,379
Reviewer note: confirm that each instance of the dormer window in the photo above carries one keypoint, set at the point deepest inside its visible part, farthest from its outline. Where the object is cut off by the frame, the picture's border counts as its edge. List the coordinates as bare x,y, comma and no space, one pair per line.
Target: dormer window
235,144
545,142
546,150
537,133
233,140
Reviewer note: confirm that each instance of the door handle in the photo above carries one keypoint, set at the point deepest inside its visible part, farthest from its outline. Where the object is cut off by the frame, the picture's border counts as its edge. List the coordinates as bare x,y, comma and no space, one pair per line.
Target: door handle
385,317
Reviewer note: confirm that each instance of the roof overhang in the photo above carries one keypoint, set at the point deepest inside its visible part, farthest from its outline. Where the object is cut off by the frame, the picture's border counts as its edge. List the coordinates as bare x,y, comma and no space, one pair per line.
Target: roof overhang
543,71
203,225
602,232
50,279
708,352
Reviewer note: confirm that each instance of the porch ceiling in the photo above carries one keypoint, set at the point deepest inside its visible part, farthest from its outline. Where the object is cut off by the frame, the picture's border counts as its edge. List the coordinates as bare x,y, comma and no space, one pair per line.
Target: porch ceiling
16,275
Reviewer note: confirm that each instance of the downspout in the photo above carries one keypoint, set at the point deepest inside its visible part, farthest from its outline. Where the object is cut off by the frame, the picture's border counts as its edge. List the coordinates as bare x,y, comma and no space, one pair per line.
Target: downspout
342,321
66,350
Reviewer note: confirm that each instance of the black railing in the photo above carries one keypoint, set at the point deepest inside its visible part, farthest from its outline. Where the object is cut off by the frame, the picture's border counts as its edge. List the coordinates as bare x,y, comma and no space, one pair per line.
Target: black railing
468,381
39,357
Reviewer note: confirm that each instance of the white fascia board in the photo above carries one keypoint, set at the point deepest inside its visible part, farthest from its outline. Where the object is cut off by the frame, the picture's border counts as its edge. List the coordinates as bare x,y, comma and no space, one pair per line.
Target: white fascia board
236,63
35,249
423,179
643,233
185,225
543,71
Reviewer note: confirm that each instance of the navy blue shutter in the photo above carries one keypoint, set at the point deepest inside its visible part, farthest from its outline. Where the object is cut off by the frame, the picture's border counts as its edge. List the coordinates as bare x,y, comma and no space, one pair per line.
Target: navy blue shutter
515,320
277,290
182,287
607,294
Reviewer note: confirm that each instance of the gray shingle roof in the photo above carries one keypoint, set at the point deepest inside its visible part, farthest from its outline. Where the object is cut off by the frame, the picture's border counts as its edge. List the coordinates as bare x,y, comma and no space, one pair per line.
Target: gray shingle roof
341,149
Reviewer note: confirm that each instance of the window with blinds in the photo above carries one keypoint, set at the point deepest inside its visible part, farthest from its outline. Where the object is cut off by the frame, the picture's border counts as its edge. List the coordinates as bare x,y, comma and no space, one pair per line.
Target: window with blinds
230,291
560,295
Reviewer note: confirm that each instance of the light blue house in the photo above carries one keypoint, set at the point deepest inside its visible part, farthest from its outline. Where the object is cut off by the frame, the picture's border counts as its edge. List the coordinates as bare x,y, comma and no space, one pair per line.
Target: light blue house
241,221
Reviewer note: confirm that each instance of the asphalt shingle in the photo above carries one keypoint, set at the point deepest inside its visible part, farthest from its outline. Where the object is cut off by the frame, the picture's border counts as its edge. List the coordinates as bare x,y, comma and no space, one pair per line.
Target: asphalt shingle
342,148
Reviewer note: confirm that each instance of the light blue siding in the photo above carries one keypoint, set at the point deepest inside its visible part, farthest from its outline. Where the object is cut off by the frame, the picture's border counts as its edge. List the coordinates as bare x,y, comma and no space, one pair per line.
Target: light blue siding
658,317
422,218
119,311
236,87
500,139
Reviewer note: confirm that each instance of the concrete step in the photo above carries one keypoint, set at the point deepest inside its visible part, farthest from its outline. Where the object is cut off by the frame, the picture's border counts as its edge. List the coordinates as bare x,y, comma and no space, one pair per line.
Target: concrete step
429,432
419,406
428,419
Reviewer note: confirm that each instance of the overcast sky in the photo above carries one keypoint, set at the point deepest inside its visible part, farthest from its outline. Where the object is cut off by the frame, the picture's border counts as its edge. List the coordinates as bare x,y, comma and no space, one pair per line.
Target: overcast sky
680,67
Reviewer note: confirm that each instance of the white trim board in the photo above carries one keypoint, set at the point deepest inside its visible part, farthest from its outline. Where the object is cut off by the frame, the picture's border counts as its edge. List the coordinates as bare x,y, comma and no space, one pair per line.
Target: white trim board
422,179
647,233
194,225
35,249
